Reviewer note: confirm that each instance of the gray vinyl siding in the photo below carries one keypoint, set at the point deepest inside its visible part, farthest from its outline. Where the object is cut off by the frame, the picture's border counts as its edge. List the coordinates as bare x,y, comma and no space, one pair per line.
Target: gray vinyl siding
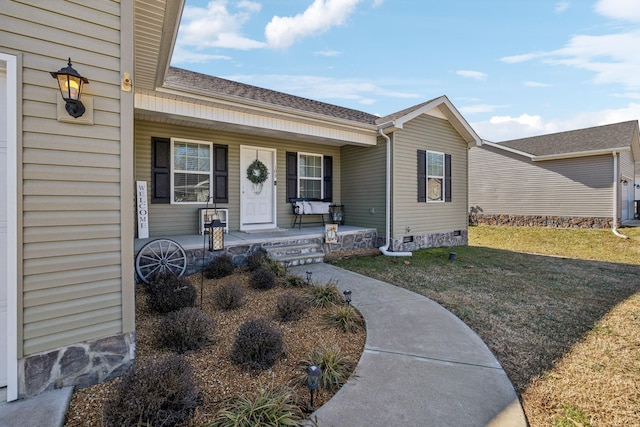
627,165
430,134
71,286
175,219
364,185
504,183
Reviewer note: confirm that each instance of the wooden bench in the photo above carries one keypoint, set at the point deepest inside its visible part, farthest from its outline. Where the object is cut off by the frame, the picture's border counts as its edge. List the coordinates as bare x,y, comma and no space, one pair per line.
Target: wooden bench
305,207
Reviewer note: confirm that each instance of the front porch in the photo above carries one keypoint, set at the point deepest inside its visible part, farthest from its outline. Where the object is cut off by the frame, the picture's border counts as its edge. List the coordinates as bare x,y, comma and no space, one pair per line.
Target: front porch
291,246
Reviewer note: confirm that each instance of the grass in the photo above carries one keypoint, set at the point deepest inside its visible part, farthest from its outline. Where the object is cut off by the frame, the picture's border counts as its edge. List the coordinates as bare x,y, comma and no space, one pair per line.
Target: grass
560,309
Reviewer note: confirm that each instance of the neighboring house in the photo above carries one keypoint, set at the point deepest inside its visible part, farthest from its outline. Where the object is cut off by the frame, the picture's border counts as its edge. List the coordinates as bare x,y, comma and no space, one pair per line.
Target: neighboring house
582,178
67,228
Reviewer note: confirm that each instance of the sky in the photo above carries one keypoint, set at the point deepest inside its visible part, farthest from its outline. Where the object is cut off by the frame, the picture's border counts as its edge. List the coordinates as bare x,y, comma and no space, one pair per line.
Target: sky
513,68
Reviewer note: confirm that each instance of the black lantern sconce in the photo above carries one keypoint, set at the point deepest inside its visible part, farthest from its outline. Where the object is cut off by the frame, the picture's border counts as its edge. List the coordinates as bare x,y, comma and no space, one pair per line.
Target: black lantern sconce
347,296
71,84
216,234
313,375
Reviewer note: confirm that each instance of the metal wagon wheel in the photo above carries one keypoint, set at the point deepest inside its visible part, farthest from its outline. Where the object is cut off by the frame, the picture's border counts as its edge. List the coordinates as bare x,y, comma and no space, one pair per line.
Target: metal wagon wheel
160,256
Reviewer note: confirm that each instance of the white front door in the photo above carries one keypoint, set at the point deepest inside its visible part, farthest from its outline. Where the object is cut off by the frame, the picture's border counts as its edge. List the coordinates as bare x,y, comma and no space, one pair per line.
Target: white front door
3,224
257,201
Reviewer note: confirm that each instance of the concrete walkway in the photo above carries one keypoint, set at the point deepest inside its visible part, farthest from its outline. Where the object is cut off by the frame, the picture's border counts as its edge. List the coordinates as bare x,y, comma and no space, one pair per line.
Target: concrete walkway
421,365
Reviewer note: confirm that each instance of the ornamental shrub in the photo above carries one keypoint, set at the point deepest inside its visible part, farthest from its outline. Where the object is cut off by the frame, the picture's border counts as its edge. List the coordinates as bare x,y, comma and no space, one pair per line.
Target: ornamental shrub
185,330
345,318
220,267
290,306
158,393
262,278
336,368
323,295
258,344
266,407
167,292
257,259
229,295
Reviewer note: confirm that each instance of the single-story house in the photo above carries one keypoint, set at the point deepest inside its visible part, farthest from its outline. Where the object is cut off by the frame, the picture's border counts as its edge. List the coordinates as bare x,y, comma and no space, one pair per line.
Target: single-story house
68,226
581,178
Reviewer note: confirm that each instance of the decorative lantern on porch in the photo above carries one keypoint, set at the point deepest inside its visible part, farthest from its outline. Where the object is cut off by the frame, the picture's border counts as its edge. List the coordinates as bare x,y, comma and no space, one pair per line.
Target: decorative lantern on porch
216,234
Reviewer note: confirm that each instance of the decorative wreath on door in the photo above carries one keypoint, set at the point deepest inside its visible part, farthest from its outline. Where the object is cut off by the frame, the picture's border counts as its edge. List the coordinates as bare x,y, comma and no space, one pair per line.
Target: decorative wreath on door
257,172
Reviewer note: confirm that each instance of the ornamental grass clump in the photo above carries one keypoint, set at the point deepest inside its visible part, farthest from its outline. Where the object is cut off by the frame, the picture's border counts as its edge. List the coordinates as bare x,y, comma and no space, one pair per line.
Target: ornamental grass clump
290,306
262,278
157,393
336,369
167,292
257,259
345,318
292,281
187,329
221,266
266,407
229,295
258,344
323,295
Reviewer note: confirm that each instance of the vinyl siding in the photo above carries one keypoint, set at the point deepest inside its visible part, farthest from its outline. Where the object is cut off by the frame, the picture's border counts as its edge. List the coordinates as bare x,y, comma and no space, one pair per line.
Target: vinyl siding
431,134
72,284
504,183
364,185
176,219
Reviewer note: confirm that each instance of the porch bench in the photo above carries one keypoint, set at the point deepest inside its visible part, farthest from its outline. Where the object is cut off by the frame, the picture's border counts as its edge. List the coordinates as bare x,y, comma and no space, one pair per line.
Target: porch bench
305,207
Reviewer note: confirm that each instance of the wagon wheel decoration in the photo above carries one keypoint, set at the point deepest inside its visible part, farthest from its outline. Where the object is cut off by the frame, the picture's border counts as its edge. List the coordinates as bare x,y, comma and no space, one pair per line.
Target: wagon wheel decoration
158,257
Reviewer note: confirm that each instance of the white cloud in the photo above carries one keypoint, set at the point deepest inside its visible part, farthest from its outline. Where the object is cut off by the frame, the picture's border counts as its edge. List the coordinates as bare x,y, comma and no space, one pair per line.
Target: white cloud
327,52
536,84
377,3
514,59
476,75
626,10
324,88
183,56
282,32
216,26
503,128
562,6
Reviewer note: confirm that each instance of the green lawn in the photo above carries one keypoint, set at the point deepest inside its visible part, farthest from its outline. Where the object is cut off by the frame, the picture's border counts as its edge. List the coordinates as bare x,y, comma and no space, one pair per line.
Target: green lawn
533,295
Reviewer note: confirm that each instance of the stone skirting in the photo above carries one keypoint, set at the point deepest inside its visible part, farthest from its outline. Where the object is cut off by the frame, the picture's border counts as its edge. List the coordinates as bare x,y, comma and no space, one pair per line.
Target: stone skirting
347,241
433,240
542,221
82,365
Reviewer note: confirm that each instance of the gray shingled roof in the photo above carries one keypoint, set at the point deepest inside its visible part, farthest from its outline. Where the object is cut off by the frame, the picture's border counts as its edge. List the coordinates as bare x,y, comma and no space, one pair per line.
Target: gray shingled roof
215,85
605,137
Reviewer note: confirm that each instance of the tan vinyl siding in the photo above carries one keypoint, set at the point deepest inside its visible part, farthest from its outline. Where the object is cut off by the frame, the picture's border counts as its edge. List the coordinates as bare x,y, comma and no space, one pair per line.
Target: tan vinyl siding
71,286
174,219
504,183
430,134
364,185
627,165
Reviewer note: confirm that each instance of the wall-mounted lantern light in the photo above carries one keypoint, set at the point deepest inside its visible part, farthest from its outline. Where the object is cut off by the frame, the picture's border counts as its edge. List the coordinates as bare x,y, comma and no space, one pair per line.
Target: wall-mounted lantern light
71,84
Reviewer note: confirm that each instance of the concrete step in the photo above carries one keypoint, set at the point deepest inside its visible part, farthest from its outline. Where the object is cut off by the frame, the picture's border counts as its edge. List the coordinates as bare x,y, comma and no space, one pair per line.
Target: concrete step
296,254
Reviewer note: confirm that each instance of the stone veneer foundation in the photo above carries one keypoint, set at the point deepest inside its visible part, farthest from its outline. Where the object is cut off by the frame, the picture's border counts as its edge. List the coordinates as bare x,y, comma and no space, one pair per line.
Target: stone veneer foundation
541,221
432,240
80,365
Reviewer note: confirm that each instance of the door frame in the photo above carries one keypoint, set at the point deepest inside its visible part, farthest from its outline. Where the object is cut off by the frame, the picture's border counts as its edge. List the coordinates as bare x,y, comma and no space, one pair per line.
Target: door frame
12,63
274,175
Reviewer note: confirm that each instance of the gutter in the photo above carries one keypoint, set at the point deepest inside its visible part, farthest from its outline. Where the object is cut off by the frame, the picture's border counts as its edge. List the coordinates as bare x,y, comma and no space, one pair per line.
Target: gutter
614,222
385,249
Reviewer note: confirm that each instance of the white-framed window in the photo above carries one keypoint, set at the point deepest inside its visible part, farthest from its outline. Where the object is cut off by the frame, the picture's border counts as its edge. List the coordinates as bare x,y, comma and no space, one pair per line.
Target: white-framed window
191,165
310,175
435,176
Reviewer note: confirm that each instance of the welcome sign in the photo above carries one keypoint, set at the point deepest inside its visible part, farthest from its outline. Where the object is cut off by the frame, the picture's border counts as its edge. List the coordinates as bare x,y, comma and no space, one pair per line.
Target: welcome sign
143,210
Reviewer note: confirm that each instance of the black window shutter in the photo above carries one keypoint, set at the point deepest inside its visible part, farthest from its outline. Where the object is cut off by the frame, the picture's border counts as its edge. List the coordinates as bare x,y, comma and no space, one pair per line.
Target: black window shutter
220,173
292,175
160,170
328,178
447,177
422,176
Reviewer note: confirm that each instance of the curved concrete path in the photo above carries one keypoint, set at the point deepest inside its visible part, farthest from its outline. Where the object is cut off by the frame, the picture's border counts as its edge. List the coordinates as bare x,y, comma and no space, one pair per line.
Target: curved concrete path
421,365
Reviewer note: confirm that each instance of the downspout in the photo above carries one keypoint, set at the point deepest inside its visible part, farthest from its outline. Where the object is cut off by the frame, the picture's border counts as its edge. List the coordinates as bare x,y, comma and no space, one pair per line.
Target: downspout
385,249
614,222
